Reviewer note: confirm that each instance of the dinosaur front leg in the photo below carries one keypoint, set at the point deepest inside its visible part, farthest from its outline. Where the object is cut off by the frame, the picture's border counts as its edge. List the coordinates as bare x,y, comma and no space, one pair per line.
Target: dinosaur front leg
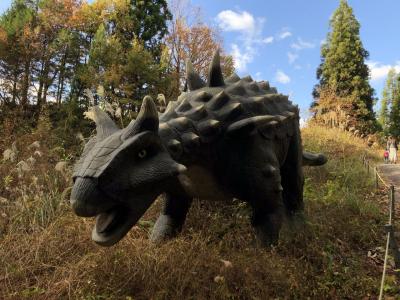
172,217
267,219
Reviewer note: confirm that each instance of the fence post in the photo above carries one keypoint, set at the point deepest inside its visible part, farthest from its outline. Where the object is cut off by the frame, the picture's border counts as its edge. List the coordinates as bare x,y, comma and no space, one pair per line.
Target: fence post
376,178
367,166
393,242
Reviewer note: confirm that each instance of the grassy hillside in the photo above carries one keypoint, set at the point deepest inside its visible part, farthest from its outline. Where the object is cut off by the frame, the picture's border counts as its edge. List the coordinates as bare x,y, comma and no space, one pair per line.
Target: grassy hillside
46,251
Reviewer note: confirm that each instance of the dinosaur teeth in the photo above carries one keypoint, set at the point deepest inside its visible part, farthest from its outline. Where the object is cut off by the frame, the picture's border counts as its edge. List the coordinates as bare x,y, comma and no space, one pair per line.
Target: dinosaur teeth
218,101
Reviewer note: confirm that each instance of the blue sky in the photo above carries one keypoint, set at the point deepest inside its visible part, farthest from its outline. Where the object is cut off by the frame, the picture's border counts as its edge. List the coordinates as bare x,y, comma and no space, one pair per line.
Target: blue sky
279,40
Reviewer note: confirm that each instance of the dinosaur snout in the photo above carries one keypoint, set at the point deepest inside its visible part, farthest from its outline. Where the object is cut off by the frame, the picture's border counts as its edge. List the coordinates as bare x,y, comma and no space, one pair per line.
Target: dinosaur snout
87,199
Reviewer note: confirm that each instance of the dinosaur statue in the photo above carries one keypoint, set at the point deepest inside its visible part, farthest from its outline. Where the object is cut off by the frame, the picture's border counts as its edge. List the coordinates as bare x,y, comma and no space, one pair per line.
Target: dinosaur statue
224,138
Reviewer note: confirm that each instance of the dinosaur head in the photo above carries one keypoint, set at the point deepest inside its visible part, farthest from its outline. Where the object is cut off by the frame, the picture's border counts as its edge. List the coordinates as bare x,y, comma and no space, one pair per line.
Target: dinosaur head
120,173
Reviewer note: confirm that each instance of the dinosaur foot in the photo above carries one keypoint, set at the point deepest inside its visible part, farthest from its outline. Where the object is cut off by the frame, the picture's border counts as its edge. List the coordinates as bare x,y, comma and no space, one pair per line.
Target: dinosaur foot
164,229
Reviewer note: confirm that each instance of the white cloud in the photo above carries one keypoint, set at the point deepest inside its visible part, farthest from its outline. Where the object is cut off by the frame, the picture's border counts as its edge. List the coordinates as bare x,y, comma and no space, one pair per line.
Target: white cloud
292,57
232,21
249,29
240,58
379,71
301,44
285,33
268,40
281,77
257,76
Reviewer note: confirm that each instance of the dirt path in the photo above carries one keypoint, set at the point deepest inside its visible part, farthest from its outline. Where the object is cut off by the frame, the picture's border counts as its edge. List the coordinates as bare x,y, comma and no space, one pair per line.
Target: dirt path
390,173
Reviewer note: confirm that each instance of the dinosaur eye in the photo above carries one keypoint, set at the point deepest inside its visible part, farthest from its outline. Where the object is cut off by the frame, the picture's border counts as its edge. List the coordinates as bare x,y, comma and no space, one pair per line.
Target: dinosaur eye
142,153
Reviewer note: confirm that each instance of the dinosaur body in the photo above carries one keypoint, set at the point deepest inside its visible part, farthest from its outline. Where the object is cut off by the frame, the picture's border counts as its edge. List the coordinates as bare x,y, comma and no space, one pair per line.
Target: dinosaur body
232,138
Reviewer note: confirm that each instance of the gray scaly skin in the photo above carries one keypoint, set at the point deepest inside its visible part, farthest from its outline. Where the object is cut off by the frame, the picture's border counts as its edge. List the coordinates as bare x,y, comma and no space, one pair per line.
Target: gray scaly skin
227,138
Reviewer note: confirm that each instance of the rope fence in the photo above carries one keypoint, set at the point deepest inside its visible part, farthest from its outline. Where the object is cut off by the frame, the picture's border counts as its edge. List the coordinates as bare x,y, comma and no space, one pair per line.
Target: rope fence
391,242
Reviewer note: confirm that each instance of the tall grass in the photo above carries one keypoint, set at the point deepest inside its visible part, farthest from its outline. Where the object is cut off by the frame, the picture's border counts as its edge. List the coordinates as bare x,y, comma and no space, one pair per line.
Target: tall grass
46,251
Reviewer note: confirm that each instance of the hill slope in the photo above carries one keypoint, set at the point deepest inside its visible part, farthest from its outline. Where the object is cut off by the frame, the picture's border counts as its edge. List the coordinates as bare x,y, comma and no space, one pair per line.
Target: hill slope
46,251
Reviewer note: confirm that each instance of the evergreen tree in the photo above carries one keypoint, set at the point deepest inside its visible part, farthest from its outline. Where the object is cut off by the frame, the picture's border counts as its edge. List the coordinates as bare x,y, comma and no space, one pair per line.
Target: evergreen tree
394,115
145,21
343,67
386,101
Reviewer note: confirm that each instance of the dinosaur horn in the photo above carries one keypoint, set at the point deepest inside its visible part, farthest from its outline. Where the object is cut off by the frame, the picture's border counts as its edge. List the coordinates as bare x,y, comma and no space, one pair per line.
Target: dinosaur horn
215,77
147,119
105,126
193,79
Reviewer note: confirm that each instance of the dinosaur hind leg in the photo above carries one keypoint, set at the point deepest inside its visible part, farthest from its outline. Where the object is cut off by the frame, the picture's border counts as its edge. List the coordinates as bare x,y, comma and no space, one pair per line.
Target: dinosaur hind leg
292,178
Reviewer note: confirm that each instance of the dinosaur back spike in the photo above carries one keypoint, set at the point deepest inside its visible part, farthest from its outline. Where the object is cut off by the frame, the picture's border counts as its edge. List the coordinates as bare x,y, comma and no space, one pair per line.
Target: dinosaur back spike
184,106
246,126
233,78
264,85
253,86
203,96
215,77
208,128
218,101
236,89
230,112
193,79
197,113
175,147
190,140
247,78
181,123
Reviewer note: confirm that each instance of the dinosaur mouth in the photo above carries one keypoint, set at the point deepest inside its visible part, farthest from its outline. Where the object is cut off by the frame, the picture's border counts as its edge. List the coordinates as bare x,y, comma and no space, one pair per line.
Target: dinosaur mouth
111,226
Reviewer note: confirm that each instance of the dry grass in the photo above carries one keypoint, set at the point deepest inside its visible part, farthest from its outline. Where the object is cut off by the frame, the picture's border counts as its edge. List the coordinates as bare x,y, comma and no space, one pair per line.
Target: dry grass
46,251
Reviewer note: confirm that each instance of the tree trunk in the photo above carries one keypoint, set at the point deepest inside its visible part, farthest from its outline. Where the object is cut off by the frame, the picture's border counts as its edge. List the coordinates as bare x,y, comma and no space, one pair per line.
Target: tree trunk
60,85
14,88
25,83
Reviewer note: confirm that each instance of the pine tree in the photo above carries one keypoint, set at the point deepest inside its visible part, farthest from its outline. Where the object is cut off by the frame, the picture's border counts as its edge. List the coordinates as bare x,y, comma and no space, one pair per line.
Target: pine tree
394,115
386,101
343,69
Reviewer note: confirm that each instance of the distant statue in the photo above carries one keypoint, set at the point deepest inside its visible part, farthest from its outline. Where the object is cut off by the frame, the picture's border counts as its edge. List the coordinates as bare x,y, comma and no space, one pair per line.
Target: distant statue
161,102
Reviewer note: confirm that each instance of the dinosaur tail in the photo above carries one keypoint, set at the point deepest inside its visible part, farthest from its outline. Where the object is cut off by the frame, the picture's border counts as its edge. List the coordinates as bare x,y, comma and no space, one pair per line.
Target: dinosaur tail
313,159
